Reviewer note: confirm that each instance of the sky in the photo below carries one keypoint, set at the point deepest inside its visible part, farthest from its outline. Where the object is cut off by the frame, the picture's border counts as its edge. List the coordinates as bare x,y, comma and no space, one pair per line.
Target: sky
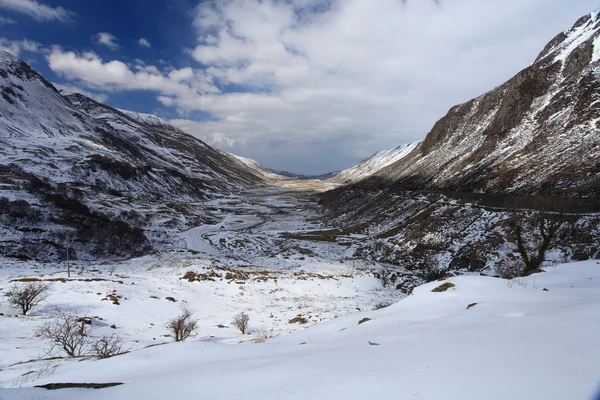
307,86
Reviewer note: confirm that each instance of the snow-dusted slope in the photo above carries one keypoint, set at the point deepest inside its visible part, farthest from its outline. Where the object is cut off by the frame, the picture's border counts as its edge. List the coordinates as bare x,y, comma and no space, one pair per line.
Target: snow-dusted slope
483,338
373,164
72,155
538,131
147,119
256,167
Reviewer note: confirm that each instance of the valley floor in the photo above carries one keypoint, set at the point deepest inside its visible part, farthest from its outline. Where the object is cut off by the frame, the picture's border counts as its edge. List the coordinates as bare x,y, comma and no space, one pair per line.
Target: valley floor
268,254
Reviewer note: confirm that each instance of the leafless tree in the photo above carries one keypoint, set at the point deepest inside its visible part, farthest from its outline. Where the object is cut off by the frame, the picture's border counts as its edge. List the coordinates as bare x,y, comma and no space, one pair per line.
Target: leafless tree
108,346
183,325
66,332
27,296
241,321
535,226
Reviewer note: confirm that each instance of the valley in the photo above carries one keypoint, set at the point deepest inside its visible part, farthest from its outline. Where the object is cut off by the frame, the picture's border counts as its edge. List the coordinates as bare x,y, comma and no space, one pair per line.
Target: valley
139,262
268,254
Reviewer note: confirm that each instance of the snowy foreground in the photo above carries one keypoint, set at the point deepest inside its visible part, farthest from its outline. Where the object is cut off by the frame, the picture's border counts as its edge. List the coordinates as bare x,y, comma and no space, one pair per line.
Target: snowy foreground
529,338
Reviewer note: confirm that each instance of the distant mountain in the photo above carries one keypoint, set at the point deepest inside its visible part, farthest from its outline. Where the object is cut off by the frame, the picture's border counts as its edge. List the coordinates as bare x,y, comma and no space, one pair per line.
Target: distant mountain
538,131
373,164
111,179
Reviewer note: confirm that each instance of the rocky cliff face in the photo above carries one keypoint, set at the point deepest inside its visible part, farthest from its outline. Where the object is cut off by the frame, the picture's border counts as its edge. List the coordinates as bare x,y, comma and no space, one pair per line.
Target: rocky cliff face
536,132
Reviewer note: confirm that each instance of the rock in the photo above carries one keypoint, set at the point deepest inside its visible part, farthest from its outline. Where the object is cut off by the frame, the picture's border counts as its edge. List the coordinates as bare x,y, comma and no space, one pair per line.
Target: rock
55,386
444,287
362,321
471,305
171,299
299,319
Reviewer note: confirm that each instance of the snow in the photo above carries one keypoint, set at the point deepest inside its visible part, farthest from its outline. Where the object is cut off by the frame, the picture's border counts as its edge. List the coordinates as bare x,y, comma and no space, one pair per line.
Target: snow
376,162
519,341
576,37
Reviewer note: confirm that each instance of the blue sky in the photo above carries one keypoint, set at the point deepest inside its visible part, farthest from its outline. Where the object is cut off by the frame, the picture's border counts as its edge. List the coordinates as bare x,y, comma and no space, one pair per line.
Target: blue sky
308,86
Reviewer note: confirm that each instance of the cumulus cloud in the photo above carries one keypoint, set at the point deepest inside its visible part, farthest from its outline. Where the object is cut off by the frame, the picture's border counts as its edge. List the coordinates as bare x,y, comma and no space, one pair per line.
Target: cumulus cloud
38,11
319,83
107,39
16,47
89,69
144,43
66,89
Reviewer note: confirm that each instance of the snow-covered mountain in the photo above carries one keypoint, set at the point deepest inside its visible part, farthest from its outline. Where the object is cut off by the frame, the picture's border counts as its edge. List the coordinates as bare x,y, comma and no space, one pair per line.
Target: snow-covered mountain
373,164
67,160
538,131
444,204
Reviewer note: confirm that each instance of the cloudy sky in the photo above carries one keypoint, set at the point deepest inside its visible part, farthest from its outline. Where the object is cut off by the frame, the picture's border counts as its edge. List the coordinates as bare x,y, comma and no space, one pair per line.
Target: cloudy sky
308,86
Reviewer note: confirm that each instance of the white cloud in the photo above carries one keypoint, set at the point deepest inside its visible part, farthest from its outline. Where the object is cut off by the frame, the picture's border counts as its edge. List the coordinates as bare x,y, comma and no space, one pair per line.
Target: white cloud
313,83
66,89
7,21
37,10
91,71
15,47
107,39
144,43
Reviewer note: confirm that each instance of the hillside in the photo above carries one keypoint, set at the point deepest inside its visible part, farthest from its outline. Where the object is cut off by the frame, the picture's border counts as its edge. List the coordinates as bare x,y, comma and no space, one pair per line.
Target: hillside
372,165
72,166
538,131
450,202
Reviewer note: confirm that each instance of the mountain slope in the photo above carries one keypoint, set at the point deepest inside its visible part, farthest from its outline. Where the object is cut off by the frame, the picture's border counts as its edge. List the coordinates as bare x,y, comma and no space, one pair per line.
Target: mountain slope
373,164
67,161
447,204
537,131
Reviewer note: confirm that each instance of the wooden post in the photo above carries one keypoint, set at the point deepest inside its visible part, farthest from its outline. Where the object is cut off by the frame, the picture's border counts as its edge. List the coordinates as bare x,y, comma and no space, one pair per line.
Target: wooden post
68,265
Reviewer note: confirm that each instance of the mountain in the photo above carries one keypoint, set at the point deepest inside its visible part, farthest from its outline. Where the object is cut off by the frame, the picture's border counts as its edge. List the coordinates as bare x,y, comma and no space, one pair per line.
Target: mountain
373,164
443,205
72,166
536,132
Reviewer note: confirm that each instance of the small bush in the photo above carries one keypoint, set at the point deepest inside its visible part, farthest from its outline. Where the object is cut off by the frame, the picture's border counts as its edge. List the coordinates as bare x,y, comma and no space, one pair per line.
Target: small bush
66,333
109,346
510,269
241,321
25,297
263,336
183,326
379,306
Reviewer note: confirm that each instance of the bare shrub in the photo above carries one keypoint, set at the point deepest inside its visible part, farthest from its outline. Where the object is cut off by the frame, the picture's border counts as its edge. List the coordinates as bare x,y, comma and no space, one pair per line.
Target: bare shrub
27,296
109,346
263,336
379,306
66,332
241,321
183,325
510,269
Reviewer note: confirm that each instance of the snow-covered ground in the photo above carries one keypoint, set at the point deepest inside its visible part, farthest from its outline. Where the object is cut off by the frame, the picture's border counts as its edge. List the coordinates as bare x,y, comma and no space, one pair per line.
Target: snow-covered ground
529,338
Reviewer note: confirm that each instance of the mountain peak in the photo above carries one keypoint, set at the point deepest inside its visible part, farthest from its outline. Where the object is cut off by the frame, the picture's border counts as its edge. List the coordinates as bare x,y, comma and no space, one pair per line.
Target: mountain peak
584,32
